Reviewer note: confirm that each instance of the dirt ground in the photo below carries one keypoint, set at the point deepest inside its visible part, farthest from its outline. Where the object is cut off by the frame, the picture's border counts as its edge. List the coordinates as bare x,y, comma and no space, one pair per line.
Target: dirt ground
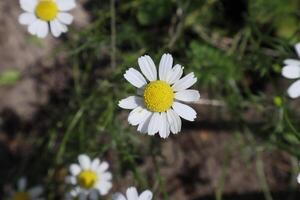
196,162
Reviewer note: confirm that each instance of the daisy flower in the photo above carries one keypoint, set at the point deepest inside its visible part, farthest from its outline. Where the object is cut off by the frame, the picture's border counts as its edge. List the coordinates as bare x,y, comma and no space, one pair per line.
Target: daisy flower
40,14
90,178
132,194
158,103
23,194
291,70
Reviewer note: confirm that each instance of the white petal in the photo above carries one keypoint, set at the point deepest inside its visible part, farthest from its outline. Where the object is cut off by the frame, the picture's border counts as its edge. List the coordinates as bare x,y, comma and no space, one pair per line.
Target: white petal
95,164
297,48
291,71
185,82
291,62
103,166
164,130
65,18
187,95
174,121
298,178
104,187
93,194
65,5
84,161
165,66
107,176
22,183
148,68
57,28
71,180
33,27
134,77
131,102
137,115
82,196
146,195
35,192
294,90
43,29
184,111
143,126
132,193
175,74
27,18
118,196
28,5
154,124
75,169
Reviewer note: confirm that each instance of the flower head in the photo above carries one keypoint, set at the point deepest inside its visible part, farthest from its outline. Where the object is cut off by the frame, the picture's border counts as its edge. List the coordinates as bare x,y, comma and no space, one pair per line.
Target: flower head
40,14
22,193
291,70
89,178
132,194
158,104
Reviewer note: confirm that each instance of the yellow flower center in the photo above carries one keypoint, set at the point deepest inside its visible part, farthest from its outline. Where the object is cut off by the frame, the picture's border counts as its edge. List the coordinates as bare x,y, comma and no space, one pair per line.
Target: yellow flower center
46,10
21,196
158,96
87,179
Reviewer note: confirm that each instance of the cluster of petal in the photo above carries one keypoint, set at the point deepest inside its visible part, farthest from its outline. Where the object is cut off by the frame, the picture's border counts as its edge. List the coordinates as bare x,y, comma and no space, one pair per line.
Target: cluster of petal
102,184
33,193
40,27
291,70
132,194
160,122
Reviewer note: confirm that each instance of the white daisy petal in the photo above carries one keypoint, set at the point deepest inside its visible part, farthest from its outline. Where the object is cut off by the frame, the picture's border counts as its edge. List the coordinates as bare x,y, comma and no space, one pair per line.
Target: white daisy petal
55,27
131,102
135,78
148,68
65,18
118,196
291,62
165,66
185,82
43,29
107,176
28,5
298,178
175,74
74,169
294,90
143,125
297,48
84,161
187,95
71,180
104,187
146,195
33,27
22,183
164,130
82,196
27,18
174,121
93,194
95,164
65,5
291,71
35,192
154,124
184,111
132,193
103,166
137,115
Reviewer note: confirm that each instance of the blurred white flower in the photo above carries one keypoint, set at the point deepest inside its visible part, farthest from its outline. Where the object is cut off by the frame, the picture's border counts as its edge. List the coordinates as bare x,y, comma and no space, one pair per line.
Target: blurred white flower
90,178
40,14
132,194
22,193
291,70
158,103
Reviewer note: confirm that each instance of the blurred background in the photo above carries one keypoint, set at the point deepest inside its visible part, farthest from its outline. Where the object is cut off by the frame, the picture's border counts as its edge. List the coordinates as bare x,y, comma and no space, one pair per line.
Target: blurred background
59,98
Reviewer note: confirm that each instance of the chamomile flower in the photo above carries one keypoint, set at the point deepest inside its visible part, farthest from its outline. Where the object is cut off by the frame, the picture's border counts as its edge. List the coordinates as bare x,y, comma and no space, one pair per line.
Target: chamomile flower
90,178
132,194
22,193
40,14
158,106
291,70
